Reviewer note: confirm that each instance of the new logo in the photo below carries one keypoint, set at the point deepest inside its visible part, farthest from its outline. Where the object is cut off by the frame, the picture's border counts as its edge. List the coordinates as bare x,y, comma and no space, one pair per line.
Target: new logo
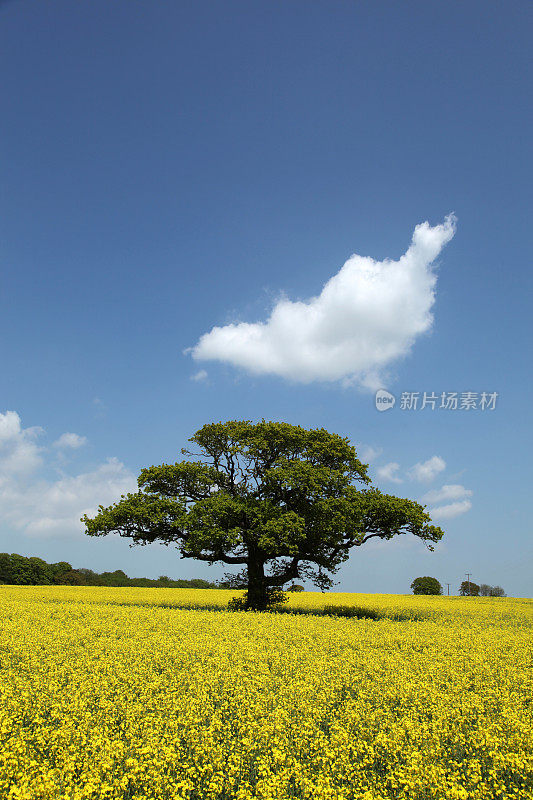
384,400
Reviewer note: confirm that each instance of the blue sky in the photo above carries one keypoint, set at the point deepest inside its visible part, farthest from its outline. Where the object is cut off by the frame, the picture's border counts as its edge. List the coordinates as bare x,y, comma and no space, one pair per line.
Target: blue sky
172,168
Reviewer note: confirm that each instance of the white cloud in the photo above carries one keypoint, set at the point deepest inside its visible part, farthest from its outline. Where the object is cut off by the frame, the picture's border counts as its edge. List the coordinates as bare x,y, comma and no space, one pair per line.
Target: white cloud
389,472
450,510
19,452
454,491
70,441
54,508
427,470
201,375
367,453
37,506
367,316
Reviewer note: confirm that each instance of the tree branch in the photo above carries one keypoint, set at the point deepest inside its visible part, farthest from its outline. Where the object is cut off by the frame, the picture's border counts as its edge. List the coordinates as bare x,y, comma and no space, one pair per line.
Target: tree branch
212,557
288,574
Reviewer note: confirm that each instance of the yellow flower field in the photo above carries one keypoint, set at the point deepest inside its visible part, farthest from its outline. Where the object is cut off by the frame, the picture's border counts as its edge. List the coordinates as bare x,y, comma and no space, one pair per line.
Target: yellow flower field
116,693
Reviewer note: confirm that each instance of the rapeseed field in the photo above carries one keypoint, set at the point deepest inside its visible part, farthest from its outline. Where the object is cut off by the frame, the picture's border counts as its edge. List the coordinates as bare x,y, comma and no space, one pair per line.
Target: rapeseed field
117,693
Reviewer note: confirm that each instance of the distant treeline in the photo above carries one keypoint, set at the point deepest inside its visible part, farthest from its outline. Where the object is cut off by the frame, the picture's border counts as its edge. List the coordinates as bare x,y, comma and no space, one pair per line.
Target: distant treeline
22,571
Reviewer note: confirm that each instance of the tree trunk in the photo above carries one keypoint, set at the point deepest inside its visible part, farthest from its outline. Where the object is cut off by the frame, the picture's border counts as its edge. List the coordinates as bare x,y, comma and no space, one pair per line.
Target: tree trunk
257,595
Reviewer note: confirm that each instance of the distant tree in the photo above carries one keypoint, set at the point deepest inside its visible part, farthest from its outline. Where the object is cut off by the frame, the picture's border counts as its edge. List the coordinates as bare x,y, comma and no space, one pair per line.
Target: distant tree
295,588
276,500
469,589
91,578
5,568
426,585
22,570
490,591
144,583
40,571
116,578
199,583
60,569
72,577
19,570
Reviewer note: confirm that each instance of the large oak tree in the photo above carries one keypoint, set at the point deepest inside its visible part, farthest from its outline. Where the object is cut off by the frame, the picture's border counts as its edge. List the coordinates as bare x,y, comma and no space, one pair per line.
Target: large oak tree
274,499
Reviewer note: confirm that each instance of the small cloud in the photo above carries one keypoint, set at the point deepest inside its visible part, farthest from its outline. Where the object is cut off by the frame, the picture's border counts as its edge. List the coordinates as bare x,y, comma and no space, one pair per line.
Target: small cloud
201,375
19,452
366,453
427,470
367,316
450,510
70,441
453,491
389,472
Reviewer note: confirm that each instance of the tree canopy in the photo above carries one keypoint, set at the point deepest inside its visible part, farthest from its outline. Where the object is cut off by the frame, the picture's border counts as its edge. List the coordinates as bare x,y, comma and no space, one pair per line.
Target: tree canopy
469,589
426,585
276,500
485,590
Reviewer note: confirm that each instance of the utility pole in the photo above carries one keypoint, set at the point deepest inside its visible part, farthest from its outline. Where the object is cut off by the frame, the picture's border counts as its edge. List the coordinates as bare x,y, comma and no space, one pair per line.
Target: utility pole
468,574
448,585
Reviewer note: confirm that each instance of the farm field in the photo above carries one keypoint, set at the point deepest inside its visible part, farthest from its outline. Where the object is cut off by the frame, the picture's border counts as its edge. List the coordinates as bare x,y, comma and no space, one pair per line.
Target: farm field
118,693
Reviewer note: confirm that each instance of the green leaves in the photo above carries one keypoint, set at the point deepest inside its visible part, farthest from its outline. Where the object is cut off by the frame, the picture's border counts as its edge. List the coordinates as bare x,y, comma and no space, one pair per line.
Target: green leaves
142,517
426,585
187,480
386,516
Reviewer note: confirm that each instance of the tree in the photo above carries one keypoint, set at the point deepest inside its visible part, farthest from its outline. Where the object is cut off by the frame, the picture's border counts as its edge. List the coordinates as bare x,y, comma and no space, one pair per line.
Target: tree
491,591
72,577
22,571
274,499
5,568
61,570
15,569
295,588
40,571
426,585
116,578
469,589
199,583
